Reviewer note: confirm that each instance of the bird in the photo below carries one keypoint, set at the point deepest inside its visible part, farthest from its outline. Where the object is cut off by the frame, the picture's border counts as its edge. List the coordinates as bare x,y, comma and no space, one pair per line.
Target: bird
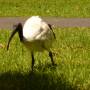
36,35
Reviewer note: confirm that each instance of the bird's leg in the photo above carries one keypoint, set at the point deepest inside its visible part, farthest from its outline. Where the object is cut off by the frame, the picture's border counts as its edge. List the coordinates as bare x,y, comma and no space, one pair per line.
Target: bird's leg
32,60
51,56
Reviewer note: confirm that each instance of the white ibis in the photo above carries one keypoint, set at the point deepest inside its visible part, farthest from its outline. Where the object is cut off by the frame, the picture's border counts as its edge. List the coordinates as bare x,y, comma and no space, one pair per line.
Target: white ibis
36,35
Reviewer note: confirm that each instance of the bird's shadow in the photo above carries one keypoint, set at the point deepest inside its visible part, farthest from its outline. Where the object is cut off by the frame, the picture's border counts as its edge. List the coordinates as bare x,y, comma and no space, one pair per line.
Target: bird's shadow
32,81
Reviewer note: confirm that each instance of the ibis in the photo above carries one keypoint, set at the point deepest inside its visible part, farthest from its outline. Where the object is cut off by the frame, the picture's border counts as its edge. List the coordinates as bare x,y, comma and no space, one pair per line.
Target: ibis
36,34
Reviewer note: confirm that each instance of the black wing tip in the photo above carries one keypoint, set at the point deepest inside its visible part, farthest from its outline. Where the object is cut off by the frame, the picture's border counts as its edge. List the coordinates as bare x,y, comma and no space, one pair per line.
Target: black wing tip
50,26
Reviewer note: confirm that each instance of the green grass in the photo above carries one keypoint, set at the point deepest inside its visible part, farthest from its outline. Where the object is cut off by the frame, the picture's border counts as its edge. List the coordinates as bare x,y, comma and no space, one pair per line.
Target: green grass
60,8
71,53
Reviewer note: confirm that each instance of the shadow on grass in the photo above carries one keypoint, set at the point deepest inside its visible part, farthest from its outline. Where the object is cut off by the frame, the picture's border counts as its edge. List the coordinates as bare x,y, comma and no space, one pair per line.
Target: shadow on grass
32,81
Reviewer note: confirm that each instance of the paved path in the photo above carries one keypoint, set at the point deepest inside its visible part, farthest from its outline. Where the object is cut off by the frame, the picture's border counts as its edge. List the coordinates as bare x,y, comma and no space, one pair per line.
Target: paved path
8,22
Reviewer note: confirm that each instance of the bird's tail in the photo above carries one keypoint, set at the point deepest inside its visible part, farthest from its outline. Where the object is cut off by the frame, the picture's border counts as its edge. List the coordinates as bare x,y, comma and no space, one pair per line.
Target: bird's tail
52,30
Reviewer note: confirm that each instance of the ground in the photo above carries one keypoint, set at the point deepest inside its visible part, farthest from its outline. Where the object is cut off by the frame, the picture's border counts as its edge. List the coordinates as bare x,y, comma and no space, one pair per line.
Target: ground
71,50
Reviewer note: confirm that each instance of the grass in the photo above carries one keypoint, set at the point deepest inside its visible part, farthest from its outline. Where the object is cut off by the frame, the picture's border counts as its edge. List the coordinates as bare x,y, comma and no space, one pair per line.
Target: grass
71,53
59,8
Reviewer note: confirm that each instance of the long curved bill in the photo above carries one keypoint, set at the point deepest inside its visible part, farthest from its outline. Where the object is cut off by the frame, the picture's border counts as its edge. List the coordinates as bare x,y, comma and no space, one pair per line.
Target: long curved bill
12,34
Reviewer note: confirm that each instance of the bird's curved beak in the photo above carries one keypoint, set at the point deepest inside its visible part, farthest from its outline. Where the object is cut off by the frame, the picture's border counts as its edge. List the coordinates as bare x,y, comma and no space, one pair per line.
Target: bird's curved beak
10,38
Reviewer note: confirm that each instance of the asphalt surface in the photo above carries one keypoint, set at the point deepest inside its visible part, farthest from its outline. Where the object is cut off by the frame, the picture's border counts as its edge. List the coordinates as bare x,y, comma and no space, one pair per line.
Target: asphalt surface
8,22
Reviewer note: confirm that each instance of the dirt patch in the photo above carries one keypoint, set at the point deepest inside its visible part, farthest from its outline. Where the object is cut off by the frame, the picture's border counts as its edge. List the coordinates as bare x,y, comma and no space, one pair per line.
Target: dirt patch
2,46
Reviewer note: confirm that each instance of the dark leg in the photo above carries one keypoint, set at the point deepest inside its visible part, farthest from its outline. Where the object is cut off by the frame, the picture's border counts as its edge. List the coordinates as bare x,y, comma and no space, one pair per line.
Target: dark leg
32,60
51,56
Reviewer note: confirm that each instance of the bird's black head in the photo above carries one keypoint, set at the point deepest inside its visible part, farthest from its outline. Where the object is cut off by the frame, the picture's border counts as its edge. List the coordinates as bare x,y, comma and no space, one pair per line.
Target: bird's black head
17,28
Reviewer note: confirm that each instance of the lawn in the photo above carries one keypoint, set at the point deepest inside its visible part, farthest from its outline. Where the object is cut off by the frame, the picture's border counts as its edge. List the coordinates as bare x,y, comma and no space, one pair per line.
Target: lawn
60,8
71,52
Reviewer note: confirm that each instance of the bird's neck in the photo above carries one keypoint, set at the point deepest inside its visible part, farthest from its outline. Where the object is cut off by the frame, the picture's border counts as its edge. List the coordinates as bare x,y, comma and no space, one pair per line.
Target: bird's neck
20,33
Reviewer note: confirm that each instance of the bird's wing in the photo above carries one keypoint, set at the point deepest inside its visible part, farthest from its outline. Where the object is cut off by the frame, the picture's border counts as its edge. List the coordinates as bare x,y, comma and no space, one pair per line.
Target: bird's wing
45,32
41,35
52,30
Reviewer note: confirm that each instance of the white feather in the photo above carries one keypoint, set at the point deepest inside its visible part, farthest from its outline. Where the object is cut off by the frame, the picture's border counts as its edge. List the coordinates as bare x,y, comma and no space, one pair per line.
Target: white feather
36,29
37,34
